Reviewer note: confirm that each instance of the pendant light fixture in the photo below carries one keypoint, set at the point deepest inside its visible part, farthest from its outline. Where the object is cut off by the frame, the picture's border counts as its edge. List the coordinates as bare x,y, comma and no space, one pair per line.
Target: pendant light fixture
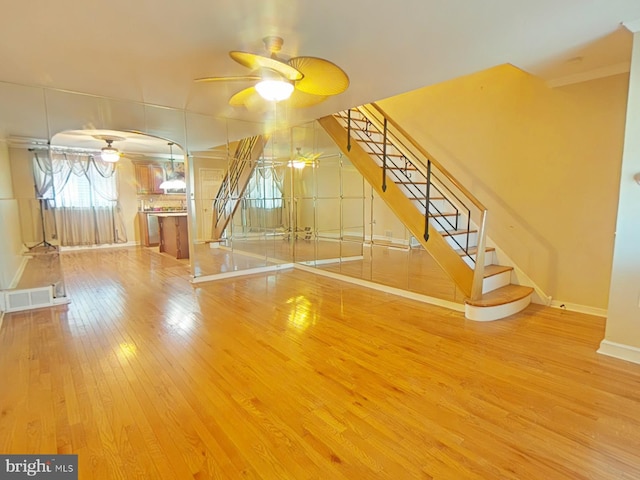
173,181
109,154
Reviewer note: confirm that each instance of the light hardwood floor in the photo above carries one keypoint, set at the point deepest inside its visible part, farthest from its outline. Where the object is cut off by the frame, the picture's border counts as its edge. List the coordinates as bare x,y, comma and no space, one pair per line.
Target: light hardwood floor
296,376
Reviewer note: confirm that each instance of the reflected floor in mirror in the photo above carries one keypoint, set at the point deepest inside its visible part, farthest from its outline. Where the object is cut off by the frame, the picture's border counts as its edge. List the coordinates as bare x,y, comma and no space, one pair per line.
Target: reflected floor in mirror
411,269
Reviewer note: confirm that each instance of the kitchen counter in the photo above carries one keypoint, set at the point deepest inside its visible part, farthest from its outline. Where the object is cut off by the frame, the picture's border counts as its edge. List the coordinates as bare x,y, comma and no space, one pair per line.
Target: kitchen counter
168,214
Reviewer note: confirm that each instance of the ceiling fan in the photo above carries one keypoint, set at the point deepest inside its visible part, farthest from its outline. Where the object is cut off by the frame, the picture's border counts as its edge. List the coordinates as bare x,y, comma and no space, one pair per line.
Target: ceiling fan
302,160
302,81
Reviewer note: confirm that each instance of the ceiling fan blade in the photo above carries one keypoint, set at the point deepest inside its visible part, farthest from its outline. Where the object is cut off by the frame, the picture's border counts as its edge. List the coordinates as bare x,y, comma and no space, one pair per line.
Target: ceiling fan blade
237,78
258,62
249,98
300,99
321,77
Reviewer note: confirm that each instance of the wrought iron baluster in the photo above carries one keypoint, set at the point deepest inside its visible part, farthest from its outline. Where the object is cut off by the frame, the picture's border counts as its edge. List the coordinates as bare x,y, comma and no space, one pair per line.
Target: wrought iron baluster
349,130
384,157
426,208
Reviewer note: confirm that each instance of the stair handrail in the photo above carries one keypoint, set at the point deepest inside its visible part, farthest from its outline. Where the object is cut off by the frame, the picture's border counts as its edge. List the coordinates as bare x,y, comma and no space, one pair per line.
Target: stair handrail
242,159
392,129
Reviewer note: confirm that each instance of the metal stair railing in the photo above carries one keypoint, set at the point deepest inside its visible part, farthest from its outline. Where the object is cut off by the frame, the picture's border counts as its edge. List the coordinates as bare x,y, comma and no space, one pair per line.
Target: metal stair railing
222,204
437,193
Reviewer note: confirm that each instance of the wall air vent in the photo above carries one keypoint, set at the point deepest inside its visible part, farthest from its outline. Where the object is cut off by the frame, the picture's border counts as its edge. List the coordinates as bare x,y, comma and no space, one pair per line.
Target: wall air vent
18,300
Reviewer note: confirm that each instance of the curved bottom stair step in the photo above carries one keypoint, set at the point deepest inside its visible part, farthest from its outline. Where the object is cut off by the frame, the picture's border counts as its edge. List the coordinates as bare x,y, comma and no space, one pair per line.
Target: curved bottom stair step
499,303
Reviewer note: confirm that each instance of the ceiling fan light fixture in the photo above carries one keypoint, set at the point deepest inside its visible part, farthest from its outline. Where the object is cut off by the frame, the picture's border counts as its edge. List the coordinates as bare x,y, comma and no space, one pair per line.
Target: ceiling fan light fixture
274,90
299,164
173,181
109,154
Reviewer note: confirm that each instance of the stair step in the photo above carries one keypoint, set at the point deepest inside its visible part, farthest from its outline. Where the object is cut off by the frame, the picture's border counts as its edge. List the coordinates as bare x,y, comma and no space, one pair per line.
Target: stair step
501,296
453,233
473,251
407,169
379,154
493,269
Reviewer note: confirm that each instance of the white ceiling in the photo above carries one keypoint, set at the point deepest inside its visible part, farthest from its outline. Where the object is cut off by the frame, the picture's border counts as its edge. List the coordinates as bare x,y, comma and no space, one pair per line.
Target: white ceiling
142,56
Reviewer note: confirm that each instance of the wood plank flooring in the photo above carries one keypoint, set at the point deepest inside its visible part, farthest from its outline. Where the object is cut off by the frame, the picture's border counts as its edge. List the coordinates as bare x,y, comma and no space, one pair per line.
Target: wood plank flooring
296,376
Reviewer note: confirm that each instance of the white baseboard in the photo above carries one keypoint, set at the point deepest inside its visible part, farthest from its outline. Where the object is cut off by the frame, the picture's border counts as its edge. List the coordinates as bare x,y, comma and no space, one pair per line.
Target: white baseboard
619,350
97,247
241,273
458,307
574,307
328,261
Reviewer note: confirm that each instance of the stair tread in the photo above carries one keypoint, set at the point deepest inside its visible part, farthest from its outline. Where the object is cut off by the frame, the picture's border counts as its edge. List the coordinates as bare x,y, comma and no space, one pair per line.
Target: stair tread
456,232
404,169
501,296
473,250
493,269
440,215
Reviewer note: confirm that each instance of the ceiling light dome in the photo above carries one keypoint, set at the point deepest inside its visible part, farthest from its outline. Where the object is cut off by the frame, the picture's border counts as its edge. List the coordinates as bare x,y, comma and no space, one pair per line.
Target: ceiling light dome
274,90
109,154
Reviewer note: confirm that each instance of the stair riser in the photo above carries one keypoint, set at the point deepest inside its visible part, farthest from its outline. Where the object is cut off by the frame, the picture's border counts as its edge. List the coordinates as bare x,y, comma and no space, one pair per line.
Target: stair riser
496,281
488,314
488,259
462,240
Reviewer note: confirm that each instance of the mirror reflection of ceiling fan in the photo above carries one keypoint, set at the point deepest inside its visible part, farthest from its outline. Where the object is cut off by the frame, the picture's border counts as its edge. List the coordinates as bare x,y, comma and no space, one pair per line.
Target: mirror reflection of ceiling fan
302,81
301,161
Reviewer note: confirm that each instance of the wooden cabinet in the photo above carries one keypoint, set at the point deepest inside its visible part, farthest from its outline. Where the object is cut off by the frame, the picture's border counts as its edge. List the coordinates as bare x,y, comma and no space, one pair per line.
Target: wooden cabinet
149,176
174,235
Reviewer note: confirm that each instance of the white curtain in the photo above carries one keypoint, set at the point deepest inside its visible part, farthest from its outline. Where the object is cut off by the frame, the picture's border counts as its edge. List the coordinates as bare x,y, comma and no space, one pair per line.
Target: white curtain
263,202
82,193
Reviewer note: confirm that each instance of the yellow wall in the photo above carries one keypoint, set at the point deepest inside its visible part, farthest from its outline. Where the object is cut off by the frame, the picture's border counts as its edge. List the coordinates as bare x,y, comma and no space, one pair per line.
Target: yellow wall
545,162
10,239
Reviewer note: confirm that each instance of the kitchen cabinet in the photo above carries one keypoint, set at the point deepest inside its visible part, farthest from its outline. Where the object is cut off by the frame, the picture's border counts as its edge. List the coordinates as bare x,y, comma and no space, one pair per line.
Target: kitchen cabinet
149,229
149,176
174,234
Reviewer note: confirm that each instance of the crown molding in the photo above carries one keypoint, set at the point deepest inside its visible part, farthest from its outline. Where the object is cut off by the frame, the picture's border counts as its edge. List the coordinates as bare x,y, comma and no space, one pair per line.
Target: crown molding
633,26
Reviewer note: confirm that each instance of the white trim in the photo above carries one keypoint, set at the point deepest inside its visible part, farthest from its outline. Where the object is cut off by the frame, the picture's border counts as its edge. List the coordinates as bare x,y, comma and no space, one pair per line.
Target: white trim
19,272
240,273
458,307
97,247
327,261
608,71
619,350
61,300
388,241
574,307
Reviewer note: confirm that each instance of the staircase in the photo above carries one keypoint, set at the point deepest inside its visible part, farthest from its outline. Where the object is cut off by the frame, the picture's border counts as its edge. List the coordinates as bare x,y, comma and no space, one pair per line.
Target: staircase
235,182
447,220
